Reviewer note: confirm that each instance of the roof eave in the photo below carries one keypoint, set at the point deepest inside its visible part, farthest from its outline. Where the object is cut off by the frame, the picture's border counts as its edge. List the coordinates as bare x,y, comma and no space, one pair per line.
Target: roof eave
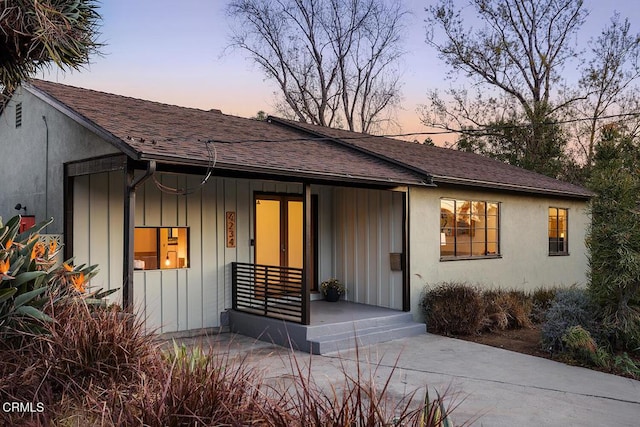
82,121
289,173
511,187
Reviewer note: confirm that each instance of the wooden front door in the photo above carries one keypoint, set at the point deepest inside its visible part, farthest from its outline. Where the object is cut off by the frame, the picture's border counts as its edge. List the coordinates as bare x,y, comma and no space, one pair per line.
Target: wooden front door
279,232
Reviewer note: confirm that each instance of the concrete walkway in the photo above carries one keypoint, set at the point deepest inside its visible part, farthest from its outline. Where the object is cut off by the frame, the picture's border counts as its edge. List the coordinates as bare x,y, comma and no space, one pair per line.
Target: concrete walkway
496,387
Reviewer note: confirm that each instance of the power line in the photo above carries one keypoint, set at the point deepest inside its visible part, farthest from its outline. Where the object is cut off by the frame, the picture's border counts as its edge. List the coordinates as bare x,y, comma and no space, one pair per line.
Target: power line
480,129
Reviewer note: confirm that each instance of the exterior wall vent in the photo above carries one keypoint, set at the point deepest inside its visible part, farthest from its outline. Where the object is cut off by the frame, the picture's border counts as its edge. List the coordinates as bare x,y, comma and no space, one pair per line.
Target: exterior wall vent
18,114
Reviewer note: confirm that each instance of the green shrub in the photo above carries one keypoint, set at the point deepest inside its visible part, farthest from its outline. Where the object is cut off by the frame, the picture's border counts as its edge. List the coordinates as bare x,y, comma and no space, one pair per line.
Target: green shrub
614,238
29,279
580,346
571,307
627,366
541,300
453,308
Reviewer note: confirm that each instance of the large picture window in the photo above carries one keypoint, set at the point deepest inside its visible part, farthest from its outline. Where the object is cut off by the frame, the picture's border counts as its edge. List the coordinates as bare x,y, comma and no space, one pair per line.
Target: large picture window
558,235
469,229
160,248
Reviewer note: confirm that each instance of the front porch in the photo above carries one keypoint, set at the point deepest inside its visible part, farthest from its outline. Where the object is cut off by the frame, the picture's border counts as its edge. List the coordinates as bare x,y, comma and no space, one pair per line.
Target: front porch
333,326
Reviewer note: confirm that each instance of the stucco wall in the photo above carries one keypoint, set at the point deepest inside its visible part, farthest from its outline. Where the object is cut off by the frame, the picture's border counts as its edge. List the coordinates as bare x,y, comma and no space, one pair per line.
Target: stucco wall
524,263
26,172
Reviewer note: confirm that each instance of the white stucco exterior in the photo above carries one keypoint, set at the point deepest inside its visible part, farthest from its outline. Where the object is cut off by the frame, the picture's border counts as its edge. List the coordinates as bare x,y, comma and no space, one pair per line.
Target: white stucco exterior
524,261
34,154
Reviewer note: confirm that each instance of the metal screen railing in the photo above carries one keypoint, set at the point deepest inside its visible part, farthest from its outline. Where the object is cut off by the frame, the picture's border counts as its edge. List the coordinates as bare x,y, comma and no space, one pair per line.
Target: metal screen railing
269,291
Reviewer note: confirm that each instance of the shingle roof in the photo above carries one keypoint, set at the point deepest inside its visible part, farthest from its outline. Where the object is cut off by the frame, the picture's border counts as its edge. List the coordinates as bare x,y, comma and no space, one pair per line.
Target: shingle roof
447,165
151,130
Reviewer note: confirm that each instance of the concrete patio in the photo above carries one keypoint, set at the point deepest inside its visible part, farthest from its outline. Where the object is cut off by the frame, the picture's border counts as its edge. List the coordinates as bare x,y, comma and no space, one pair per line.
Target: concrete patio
495,387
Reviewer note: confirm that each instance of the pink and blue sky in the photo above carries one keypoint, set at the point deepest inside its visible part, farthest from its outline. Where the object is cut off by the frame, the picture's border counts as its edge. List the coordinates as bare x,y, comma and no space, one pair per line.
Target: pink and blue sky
174,52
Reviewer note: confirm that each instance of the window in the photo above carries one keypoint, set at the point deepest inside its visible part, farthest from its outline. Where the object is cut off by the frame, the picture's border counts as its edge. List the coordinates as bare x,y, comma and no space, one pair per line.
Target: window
469,229
160,248
558,236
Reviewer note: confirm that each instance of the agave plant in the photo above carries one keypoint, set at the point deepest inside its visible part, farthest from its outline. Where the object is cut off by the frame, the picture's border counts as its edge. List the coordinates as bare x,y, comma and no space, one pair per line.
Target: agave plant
36,34
30,278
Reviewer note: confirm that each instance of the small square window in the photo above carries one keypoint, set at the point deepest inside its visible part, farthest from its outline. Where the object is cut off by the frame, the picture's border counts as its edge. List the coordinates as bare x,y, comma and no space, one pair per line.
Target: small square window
160,248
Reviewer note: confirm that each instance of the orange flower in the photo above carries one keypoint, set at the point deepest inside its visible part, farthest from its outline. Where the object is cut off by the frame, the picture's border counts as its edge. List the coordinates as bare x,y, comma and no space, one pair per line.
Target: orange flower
78,282
37,251
4,266
8,244
53,245
67,267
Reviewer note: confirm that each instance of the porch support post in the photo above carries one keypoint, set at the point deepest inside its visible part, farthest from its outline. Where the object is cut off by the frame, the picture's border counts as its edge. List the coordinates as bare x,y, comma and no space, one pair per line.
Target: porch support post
307,253
406,271
130,185
129,223
67,225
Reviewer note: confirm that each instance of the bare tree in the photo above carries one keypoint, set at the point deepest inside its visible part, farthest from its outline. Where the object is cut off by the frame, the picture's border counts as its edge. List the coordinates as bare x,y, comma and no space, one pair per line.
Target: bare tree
36,34
335,61
607,88
516,57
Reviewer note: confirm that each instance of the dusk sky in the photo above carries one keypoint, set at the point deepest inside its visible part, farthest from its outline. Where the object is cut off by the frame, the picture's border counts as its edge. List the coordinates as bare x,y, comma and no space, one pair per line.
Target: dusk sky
174,52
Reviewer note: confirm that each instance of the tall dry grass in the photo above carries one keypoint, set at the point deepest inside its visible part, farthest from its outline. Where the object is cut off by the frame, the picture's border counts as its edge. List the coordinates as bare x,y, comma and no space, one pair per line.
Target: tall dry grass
97,367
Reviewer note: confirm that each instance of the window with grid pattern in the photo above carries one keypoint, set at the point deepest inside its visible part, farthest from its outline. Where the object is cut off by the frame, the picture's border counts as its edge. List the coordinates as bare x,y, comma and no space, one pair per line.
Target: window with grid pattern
558,231
469,229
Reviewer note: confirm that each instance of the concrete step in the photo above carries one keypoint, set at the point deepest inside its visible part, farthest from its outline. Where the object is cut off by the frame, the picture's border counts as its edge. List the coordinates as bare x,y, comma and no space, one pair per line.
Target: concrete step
348,326
364,336
330,337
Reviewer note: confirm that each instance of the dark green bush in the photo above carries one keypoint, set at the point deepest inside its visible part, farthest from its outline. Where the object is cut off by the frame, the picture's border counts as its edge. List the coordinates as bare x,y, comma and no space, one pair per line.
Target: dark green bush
453,308
571,307
581,347
614,238
541,300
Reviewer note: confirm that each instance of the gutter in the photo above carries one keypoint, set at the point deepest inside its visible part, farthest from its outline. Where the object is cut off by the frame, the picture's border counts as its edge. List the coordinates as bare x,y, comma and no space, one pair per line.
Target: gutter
295,173
512,187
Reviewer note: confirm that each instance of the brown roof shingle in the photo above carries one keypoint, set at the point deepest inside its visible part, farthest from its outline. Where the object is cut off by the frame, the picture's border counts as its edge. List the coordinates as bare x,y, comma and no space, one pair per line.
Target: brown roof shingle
448,165
151,130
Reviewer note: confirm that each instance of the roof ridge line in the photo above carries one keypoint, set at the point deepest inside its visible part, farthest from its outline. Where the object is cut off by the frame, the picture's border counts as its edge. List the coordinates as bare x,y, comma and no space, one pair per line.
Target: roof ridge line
343,143
166,104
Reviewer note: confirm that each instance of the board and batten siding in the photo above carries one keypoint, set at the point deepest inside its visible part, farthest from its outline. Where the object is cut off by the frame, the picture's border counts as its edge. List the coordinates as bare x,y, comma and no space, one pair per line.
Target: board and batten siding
98,223
188,298
368,228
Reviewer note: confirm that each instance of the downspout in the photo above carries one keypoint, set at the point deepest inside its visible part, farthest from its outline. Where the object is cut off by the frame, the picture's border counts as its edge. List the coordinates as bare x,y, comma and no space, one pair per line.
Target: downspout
131,184
46,173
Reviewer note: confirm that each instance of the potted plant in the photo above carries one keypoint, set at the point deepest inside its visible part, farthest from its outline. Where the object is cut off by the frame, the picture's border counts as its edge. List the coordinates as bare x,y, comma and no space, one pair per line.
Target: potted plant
332,289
